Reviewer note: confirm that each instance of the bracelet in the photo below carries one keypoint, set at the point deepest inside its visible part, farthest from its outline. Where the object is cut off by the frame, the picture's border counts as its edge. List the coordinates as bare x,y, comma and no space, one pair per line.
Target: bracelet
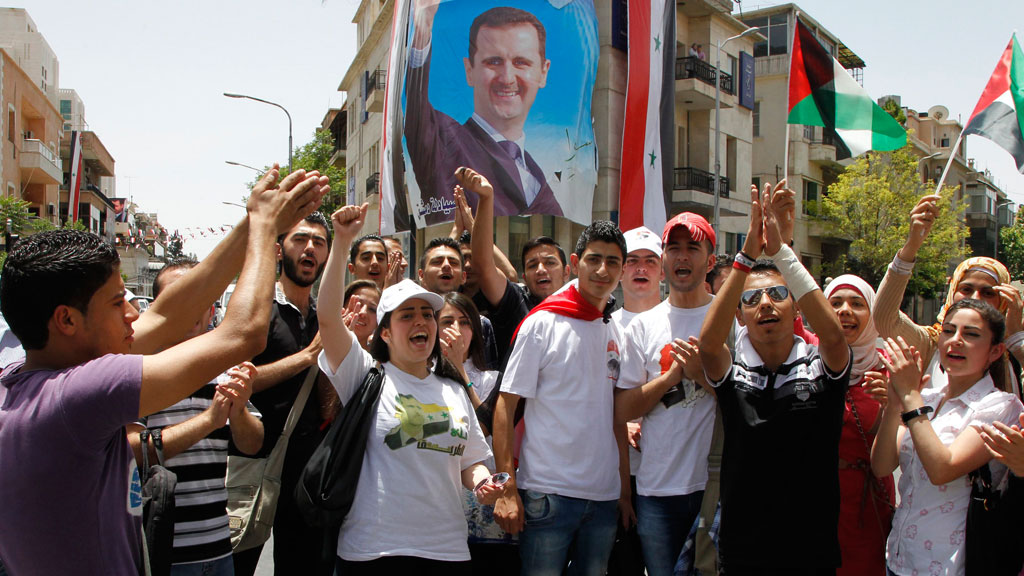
911,414
740,266
1015,339
470,385
745,260
901,266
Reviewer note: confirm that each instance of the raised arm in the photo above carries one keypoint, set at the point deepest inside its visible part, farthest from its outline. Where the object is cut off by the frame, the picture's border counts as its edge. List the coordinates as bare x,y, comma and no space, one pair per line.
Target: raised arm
178,371
492,281
832,345
714,354
336,337
892,323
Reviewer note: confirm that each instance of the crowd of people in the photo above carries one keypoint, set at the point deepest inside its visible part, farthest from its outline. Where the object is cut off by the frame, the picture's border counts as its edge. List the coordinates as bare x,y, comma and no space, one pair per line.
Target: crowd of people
748,424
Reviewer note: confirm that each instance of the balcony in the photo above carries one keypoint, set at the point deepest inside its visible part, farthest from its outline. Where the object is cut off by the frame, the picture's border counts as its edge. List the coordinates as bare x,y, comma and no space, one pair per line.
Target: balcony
696,179
695,84
38,164
375,92
373,184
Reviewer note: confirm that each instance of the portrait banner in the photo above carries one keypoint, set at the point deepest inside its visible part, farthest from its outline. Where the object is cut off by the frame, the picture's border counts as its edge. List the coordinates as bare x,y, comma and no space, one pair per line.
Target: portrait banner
505,90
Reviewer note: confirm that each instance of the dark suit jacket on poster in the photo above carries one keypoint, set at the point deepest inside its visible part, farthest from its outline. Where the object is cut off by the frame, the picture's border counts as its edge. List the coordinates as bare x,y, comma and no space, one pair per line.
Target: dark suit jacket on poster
438,145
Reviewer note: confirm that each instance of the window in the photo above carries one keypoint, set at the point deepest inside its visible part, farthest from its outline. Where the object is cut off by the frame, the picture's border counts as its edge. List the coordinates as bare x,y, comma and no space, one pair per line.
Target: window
776,29
756,181
65,109
10,124
809,133
811,197
620,25
757,118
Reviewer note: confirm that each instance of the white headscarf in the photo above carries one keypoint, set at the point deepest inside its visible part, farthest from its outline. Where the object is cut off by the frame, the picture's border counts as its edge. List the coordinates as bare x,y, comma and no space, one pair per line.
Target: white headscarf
865,348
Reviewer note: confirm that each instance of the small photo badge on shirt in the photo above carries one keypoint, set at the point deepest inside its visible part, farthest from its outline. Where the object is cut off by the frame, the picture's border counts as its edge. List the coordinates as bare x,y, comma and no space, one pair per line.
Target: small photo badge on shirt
613,362
134,489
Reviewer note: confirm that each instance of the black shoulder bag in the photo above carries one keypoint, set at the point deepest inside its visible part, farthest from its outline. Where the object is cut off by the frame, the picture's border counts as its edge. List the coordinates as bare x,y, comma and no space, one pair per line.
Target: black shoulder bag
327,486
158,484
995,529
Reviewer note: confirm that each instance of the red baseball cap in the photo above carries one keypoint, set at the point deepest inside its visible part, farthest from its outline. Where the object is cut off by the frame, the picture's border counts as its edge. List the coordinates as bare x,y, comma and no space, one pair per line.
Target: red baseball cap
698,227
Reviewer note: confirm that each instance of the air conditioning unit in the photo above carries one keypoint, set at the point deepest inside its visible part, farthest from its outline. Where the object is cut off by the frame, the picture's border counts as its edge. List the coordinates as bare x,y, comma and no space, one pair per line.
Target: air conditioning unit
51,209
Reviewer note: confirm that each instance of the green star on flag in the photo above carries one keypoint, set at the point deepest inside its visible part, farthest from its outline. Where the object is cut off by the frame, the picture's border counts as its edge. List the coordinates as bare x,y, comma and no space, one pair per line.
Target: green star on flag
657,43
653,157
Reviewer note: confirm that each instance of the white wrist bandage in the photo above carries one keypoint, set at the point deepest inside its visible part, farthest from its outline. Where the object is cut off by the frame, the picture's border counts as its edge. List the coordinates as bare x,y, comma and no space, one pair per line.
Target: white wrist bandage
797,277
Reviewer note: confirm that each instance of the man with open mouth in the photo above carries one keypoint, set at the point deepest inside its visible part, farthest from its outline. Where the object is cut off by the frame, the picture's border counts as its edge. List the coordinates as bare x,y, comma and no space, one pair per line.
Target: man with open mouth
782,403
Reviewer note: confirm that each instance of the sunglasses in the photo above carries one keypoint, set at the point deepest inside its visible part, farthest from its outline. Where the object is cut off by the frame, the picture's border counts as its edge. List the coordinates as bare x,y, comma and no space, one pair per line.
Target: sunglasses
753,297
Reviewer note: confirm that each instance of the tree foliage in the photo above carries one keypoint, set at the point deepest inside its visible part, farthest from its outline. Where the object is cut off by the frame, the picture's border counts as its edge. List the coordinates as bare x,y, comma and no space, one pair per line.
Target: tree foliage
869,206
895,110
316,155
1011,248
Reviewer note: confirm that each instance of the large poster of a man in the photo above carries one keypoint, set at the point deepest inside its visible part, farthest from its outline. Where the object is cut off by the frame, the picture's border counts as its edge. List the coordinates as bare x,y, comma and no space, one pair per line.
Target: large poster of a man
502,86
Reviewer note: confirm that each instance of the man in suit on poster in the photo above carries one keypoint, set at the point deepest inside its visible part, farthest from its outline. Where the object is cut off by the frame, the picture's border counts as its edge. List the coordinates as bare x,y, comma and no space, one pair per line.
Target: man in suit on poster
506,67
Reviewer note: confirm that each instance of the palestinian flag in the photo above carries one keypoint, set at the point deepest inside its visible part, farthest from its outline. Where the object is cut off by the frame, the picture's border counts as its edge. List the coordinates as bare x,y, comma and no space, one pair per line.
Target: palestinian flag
822,93
998,113
645,179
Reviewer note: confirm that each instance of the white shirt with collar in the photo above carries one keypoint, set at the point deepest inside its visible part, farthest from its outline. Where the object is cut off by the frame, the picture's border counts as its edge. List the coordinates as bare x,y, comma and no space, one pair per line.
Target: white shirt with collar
531,186
928,530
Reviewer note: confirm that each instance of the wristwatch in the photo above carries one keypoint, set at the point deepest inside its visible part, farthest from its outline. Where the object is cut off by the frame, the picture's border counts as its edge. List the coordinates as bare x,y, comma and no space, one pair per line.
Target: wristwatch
911,414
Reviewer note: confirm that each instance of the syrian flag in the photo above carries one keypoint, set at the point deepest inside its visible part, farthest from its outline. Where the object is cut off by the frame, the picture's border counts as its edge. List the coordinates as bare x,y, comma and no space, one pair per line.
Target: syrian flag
75,185
822,93
648,134
998,113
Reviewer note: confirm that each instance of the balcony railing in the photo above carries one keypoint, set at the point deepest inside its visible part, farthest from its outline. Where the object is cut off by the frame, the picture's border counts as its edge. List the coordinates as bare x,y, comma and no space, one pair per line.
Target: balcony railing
372,183
697,179
694,67
38,147
377,81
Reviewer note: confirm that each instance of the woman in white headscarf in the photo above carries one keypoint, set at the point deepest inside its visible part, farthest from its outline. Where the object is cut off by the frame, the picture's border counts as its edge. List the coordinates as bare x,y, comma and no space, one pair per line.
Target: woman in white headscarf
865,512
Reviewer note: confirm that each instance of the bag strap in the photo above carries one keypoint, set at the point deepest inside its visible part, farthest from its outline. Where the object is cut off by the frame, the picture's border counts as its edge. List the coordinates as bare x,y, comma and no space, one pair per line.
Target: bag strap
144,449
158,443
300,402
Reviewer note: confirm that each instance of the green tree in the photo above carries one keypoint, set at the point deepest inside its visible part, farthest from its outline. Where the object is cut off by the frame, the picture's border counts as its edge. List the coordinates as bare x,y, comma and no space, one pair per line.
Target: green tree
316,155
895,111
1011,248
869,206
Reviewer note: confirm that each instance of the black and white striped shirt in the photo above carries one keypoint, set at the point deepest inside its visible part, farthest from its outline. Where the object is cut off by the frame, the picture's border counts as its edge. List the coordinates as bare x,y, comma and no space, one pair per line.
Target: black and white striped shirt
201,530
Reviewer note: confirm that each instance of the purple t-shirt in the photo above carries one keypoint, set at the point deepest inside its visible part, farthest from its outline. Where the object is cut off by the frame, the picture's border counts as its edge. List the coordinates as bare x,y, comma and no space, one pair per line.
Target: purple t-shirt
70,495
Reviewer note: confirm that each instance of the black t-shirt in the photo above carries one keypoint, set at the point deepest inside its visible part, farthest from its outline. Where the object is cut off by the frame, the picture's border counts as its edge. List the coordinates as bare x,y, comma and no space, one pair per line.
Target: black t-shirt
514,305
289,333
780,480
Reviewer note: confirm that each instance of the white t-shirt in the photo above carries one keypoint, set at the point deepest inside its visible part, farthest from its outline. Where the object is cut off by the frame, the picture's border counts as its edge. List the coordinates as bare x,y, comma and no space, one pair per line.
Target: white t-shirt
677,431
567,370
409,498
483,380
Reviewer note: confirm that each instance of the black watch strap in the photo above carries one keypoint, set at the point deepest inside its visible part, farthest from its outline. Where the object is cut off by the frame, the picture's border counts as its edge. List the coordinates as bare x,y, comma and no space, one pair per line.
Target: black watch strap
911,414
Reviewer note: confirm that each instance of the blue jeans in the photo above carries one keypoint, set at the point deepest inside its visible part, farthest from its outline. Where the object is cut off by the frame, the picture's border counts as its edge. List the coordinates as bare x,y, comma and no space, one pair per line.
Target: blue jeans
222,567
663,522
559,525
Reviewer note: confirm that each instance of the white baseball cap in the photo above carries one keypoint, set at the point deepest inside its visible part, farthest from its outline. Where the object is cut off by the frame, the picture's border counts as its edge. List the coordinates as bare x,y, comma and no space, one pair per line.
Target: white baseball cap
642,238
396,295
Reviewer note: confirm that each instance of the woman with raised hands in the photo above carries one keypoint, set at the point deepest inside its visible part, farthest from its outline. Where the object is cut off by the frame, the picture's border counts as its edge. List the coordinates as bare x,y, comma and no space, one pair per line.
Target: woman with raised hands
931,434
980,278
425,443
865,505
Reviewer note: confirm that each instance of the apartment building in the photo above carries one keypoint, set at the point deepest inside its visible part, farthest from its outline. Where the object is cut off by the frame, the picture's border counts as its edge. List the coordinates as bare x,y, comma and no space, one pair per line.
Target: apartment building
21,38
701,21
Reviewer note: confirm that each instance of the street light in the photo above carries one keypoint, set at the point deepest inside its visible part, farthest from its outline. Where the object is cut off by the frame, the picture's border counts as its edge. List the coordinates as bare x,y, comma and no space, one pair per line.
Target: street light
233,95
718,129
233,163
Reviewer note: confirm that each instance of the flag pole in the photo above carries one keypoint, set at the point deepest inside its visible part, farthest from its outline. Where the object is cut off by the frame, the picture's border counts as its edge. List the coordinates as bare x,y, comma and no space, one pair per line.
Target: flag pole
952,154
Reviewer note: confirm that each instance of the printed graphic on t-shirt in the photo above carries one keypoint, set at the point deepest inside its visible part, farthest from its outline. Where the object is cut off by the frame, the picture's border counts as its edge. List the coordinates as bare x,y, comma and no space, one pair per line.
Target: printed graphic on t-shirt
613,362
418,421
134,489
687,391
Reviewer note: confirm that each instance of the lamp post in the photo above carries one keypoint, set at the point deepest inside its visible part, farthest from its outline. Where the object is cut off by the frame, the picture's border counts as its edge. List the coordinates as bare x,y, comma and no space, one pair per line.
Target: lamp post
233,163
718,129
233,95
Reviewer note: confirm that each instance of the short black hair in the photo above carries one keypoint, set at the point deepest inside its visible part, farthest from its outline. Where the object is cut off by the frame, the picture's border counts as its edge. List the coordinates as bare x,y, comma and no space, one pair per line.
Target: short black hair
722,261
51,269
500,17
437,243
355,285
179,264
317,218
353,252
465,237
543,241
601,231
764,267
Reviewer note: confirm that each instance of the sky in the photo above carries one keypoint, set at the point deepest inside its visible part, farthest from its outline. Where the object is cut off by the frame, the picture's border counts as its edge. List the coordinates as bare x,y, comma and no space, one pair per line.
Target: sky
152,76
